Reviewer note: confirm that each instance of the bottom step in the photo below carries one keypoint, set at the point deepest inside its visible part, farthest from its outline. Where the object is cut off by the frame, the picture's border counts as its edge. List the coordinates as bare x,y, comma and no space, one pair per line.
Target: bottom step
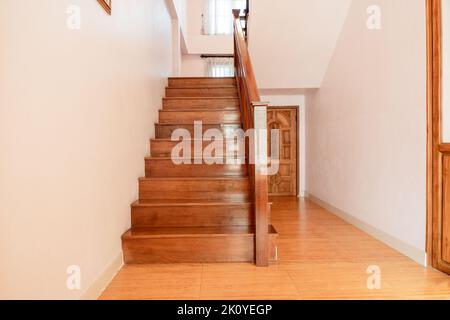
193,245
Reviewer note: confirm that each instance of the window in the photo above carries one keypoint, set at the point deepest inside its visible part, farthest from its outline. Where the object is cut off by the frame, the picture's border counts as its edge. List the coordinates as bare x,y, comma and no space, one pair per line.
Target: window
218,17
220,67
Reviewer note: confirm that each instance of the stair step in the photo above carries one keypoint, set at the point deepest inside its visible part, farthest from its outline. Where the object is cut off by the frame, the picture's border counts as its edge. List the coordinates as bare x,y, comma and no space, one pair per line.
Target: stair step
175,82
183,213
165,167
161,148
207,117
230,91
165,130
200,103
192,245
194,213
195,188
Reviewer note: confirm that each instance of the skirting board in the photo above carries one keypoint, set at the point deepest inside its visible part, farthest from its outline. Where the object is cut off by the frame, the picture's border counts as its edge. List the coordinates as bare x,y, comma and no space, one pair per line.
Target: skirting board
411,252
102,281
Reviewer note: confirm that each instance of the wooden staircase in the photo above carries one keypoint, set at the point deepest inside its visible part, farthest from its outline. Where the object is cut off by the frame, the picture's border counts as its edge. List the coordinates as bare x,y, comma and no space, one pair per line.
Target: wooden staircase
193,213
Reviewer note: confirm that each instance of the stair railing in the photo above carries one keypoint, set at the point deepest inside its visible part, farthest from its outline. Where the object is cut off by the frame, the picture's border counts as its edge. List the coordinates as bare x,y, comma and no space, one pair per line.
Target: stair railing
254,116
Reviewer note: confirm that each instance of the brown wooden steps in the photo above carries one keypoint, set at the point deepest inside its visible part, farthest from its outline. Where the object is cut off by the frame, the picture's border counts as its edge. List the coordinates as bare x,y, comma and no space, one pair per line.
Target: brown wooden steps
195,188
192,245
165,167
206,117
193,213
165,130
199,103
183,213
209,92
161,148
201,82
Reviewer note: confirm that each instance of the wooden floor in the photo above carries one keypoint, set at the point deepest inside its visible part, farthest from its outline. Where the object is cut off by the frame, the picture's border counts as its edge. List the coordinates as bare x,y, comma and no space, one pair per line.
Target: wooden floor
321,257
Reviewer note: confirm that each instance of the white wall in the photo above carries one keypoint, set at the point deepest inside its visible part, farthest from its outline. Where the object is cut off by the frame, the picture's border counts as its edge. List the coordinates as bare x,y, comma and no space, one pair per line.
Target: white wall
204,44
177,12
76,111
291,42
181,9
283,39
366,126
197,43
193,66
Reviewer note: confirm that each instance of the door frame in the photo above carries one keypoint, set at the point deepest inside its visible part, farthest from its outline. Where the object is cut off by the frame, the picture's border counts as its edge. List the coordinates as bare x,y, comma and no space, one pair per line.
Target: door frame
297,110
436,149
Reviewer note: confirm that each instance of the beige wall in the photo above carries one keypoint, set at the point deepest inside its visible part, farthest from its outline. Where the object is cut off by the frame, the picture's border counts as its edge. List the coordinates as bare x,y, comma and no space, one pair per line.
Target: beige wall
366,126
291,43
193,66
294,39
181,8
76,111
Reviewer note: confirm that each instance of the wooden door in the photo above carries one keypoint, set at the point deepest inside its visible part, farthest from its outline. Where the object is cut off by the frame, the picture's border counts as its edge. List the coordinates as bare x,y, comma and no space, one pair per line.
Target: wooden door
438,193
284,183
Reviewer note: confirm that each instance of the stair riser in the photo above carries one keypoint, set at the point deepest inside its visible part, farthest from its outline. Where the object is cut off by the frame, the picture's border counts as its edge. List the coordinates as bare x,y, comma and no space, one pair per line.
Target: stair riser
237,190
165,131
211,249
164,148
201,82
200,104
189,250
207,117
166,168
192,216
201,92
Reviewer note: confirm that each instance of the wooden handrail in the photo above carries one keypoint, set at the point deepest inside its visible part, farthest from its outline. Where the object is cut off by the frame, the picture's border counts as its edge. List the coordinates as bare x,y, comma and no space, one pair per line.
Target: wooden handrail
245,64
254,116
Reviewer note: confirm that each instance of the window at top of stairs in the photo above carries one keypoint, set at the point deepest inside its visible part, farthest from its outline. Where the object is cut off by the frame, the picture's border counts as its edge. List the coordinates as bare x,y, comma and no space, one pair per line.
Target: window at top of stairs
217,16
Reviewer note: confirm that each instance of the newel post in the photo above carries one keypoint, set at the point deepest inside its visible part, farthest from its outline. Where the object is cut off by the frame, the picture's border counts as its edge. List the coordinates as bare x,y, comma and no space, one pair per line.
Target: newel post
262,241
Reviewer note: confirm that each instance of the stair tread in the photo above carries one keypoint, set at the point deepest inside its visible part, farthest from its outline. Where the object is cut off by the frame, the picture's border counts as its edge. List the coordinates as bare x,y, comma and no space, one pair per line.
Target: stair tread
203,87
207,109
189,232
201,98
224,157
206,78
198,111
193,178
188,202
191,124
170,140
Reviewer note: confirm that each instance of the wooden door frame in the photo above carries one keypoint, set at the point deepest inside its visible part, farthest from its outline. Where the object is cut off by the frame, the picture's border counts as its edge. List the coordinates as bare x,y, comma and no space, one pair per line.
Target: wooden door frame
436,149
297,110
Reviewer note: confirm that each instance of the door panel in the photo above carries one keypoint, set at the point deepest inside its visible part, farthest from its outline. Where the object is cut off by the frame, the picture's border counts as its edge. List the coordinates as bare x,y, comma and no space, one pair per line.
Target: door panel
445,130
445,77
438,47
284,119
446,210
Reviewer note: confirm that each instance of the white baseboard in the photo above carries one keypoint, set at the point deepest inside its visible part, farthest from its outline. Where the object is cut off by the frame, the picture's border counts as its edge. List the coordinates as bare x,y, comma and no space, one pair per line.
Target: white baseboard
413,253
102,281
